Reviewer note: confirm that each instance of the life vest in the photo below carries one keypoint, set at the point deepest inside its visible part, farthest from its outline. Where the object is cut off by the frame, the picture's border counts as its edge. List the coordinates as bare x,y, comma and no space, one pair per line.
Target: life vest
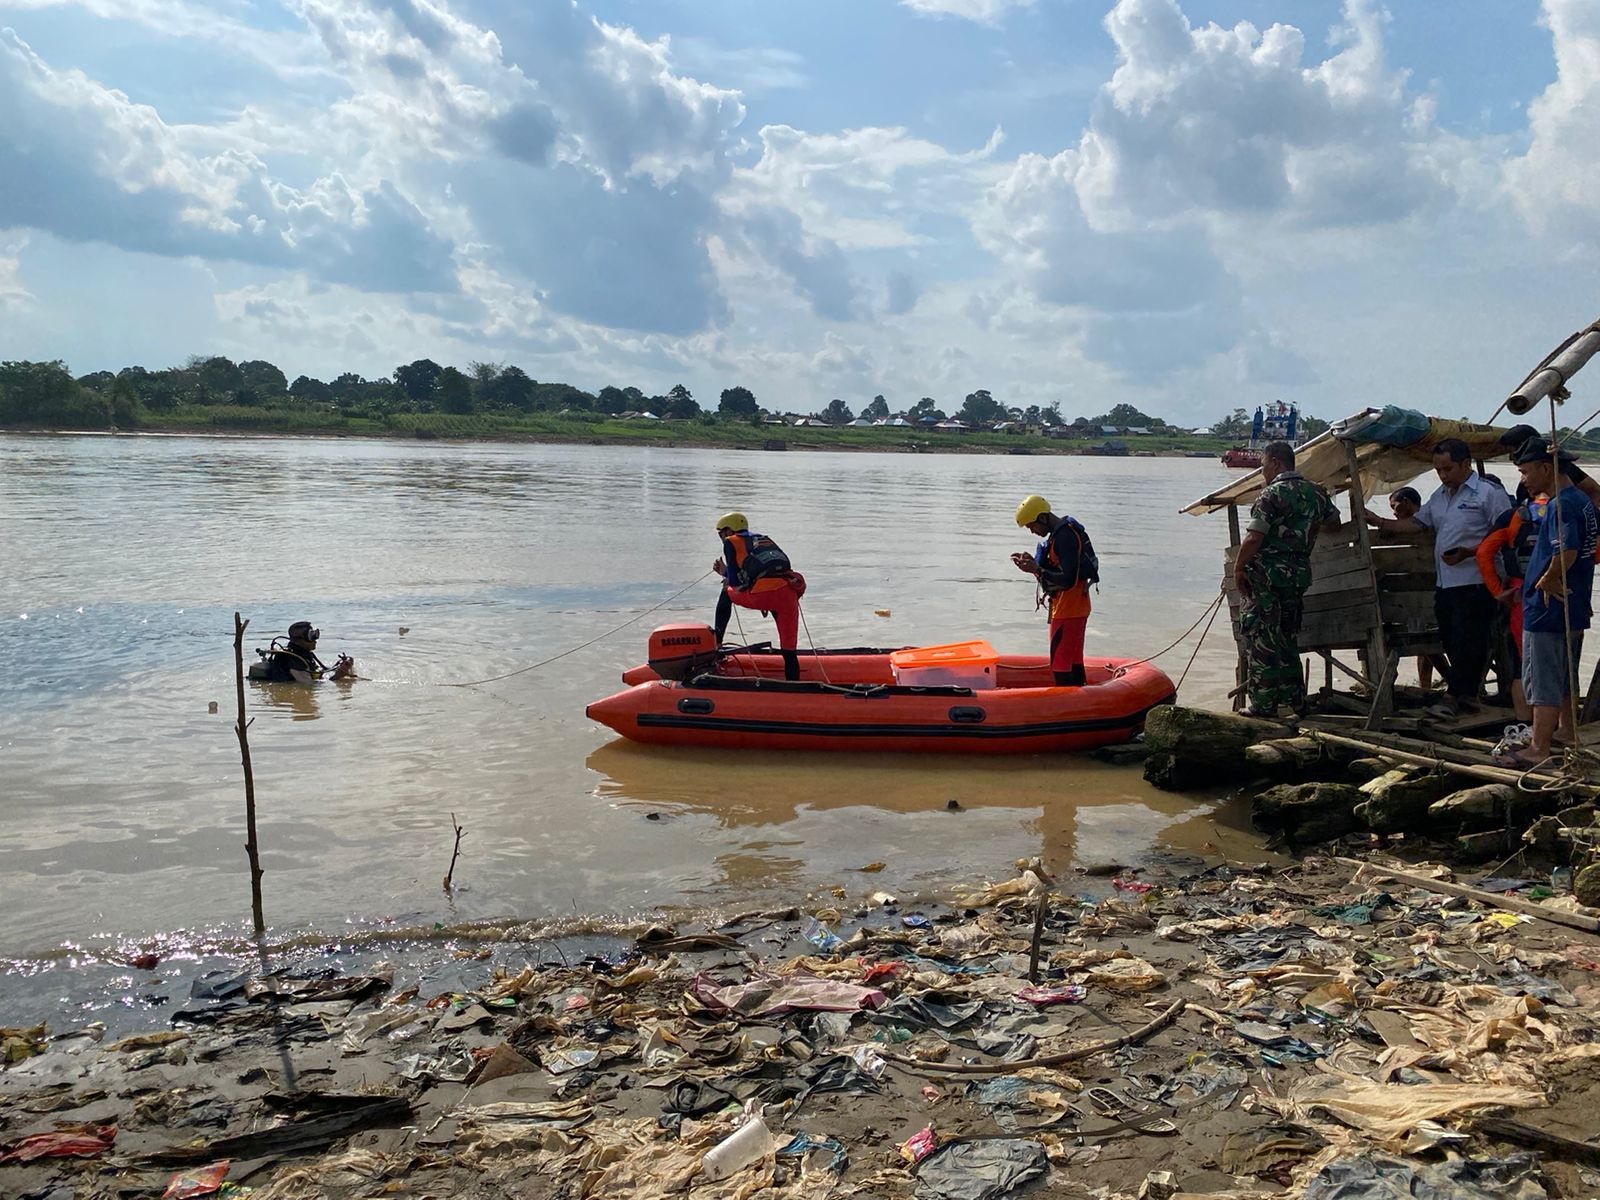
1515,557
756,557
1088,560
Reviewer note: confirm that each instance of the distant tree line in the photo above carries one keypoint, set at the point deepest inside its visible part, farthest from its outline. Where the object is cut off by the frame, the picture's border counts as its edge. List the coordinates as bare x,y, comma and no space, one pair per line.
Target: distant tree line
254,392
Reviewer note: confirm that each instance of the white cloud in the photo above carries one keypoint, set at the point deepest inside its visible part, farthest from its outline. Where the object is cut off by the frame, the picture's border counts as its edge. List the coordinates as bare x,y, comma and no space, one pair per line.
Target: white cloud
1556,183
99,167
752,70
1209,121
985,12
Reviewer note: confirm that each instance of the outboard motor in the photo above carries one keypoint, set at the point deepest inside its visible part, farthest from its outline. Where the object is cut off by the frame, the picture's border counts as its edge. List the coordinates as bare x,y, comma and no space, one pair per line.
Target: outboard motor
681,652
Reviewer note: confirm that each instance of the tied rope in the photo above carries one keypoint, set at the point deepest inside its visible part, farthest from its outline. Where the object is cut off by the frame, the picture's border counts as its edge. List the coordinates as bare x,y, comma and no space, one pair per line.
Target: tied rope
1211,611
544,662
755,667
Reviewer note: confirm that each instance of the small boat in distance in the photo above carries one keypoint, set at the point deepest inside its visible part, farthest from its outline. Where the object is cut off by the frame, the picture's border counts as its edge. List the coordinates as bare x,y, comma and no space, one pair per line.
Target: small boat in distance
1108,450
961,699
1275,423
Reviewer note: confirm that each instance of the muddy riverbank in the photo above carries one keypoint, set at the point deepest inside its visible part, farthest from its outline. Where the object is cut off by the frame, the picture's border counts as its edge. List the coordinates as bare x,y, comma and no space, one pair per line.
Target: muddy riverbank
1197,1028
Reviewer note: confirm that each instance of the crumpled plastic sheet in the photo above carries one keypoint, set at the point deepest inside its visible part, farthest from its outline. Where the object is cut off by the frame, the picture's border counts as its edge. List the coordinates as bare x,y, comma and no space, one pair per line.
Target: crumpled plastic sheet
947,1010
768,997
81,1141
1266,1149
1388,1111
802,1144
980,1170
1377,1177
355,1171
622,1159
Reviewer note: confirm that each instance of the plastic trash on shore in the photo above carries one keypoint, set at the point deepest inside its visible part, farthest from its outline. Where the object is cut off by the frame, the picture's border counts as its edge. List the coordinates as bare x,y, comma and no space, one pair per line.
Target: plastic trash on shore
749,1143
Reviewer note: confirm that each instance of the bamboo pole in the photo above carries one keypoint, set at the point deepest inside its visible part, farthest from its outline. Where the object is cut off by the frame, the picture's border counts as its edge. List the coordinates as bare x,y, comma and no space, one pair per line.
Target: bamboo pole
1492,774
252,847
1493,899
1552,376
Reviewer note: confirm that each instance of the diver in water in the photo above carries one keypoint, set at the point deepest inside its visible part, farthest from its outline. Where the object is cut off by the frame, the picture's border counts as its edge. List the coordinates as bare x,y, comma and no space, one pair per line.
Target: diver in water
297,661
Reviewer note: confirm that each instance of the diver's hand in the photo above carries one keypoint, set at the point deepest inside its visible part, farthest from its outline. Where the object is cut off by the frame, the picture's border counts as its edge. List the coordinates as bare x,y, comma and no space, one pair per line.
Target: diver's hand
718,567
1025,563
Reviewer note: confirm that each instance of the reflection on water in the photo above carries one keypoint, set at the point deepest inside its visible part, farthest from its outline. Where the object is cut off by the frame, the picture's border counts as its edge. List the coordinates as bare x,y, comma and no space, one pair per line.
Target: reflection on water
121,795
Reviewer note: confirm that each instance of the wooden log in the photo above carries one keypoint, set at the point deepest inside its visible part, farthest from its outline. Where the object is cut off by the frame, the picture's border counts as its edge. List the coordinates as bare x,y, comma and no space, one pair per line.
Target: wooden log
1307,813
1365,768
1492,800
1492,806
1397,805
1203,739
1495,900
1481,847
1279,754
1586,885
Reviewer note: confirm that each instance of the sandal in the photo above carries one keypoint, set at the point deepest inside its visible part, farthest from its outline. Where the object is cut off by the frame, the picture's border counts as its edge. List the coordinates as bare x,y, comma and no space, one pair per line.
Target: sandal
1109,1104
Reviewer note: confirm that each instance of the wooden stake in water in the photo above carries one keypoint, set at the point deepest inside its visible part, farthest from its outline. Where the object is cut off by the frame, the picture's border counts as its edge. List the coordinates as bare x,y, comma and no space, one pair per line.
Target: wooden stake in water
252,848
449,876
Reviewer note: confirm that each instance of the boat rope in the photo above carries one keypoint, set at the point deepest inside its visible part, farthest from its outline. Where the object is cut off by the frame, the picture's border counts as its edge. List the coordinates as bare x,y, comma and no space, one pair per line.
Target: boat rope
1211,611
1215,609
544,662
755,667
815,653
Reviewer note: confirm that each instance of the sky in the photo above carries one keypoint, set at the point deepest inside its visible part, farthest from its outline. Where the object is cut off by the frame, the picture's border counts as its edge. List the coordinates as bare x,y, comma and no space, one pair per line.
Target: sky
1187,205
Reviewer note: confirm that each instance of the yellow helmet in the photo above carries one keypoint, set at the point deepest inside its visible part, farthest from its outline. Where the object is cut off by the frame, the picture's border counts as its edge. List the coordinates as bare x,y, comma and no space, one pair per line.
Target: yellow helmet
1031,509
734,521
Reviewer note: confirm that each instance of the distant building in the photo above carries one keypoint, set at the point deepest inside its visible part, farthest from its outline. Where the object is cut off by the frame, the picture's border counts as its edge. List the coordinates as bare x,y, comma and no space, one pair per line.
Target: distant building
951,426
861,422
1109,431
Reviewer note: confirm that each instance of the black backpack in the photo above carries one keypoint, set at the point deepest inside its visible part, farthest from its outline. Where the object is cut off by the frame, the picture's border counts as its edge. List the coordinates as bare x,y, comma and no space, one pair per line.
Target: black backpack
1088,560
765,558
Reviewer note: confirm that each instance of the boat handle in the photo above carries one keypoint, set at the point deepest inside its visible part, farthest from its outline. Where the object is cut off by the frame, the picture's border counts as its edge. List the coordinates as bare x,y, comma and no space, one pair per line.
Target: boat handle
696,705
967,714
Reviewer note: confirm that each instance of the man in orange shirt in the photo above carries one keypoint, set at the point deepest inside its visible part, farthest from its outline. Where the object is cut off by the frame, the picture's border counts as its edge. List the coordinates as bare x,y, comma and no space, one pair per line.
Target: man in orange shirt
756,574
1065,565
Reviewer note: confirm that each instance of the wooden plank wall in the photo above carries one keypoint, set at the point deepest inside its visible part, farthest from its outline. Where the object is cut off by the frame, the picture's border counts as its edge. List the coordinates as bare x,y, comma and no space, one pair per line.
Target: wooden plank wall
1339,604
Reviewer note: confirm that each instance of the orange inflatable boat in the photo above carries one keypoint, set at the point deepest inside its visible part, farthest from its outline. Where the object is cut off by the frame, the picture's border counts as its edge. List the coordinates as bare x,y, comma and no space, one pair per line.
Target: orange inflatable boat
962,699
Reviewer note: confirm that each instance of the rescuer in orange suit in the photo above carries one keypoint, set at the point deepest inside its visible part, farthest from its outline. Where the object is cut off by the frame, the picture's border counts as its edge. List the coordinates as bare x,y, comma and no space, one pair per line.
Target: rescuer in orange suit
756,574
1065,564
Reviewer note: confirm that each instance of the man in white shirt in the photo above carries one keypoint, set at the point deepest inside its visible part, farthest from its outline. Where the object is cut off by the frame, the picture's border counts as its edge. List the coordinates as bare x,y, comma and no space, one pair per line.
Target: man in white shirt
1460,513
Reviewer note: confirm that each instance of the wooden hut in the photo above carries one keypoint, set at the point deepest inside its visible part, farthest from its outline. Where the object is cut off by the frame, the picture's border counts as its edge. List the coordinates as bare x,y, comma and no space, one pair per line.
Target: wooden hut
1372,593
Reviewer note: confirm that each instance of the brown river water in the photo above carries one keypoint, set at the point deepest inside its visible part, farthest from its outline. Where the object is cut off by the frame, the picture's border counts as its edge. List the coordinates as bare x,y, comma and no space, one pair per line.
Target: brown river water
126,557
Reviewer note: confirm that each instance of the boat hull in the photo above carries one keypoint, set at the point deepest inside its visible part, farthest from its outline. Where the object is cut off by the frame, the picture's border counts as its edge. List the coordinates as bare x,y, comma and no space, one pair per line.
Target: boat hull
1025,714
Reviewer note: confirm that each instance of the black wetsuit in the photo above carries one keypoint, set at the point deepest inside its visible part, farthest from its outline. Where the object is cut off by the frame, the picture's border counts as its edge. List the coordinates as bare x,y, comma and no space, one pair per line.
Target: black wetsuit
281,664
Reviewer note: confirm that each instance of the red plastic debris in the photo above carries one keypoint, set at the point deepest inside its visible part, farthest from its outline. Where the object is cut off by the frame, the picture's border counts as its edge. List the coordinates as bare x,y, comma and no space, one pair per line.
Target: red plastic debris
1041,997
80,1141
919,1145
207,1181
1123,884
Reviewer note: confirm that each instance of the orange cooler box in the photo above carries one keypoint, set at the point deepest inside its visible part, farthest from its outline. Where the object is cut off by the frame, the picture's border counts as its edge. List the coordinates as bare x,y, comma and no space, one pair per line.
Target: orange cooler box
961,664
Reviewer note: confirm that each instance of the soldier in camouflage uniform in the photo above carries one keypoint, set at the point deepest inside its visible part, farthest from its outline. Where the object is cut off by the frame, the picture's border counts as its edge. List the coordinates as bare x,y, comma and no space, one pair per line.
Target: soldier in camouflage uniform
1272,572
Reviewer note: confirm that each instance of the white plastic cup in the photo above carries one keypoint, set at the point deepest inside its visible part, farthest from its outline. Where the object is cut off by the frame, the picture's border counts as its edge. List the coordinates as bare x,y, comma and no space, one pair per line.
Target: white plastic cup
746,1144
